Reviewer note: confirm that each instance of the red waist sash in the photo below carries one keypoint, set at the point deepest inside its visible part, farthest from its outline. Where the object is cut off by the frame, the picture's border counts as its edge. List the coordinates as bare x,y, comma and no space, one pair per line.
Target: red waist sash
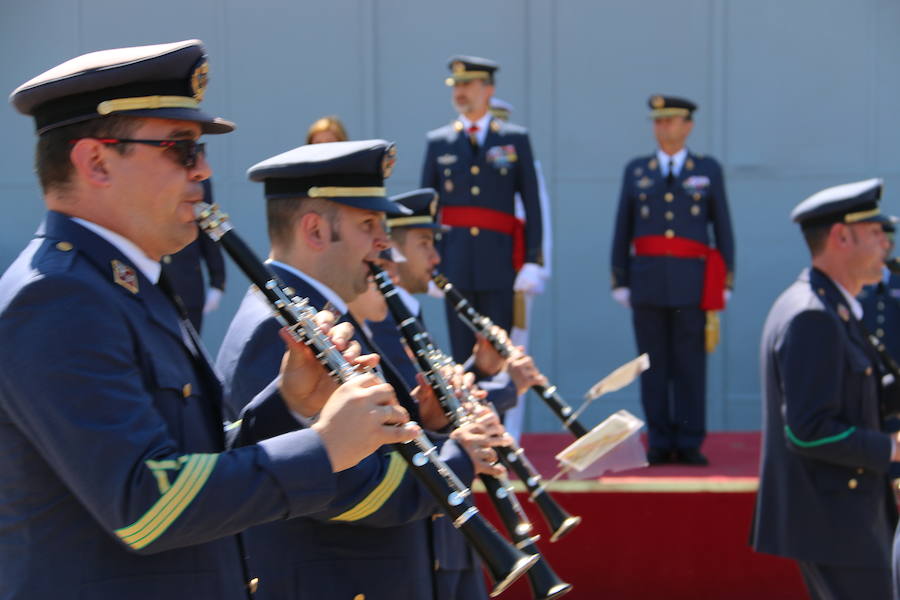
493,220
714,275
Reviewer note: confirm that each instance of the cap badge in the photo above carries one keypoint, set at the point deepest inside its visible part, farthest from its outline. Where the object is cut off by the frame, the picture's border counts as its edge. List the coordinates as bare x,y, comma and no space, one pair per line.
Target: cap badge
458,67
125,276
433,206
200,79
657,102
843,313
388,161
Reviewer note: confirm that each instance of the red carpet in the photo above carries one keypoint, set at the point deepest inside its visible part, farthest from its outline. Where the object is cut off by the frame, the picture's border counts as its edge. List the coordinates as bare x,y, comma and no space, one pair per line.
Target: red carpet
672,532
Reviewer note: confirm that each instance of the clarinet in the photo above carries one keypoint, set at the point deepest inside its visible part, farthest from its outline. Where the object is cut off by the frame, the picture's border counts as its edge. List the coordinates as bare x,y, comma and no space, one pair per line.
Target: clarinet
545,584
481,324
505,563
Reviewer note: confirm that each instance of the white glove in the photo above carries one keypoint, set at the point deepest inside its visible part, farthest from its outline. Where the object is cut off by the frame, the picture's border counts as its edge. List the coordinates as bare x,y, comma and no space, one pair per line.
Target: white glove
434,291
622,295
213,297
530,279
727,296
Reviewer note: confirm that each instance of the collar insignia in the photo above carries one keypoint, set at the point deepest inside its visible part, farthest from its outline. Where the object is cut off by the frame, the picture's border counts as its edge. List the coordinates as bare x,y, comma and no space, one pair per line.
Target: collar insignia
125,276
843,313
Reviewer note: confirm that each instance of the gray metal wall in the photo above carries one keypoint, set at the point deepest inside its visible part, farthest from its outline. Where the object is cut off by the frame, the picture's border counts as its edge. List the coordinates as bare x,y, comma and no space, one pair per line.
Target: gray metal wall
794,96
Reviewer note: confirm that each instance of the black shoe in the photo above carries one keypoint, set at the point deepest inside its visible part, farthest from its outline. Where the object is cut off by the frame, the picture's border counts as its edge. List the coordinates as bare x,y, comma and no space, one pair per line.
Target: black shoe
691,456
659,456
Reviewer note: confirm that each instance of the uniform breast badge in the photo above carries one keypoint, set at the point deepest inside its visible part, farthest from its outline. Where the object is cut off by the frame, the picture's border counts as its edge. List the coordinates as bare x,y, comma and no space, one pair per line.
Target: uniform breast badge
644,182
502,156
125,276
447,159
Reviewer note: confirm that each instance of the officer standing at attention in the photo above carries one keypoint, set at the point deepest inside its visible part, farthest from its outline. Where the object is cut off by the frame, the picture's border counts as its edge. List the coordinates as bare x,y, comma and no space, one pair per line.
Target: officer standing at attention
325,206
673,274
477,164
115,480
824,495
184,272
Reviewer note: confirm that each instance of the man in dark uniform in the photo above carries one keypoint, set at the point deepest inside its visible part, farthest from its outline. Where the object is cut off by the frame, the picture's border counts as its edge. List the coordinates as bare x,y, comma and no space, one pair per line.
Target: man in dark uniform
457,572
824,495
477,164
881,303
673,274
325,207
185,273
115,480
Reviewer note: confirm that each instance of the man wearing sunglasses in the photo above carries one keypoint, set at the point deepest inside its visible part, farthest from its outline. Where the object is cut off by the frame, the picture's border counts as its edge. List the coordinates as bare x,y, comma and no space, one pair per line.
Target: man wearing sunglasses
115,480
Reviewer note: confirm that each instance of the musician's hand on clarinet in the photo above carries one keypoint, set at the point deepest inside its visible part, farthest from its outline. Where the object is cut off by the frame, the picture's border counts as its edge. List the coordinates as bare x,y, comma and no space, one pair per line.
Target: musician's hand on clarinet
358,418
305,385
475,440
487,359
523,371
431,415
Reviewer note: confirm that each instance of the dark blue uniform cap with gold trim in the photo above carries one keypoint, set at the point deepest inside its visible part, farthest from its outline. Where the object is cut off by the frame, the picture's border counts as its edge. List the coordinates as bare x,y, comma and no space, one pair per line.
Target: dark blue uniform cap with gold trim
469,68
670,106
350,173
855,202
165,81
423,207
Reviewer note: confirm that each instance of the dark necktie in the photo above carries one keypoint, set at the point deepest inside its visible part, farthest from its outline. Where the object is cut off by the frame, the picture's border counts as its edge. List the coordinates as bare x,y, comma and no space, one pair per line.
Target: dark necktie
670,176
473,137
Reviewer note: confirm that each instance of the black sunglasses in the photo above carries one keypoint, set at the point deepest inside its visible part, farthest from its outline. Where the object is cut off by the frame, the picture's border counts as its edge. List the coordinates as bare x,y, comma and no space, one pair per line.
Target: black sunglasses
185,152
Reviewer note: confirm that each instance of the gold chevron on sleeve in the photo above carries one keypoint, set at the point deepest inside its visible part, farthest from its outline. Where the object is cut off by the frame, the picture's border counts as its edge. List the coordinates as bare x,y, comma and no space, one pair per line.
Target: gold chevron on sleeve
196,470
378,496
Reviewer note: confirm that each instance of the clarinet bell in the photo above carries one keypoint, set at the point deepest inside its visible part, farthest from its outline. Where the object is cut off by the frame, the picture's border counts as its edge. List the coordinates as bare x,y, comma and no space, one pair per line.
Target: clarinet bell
545,584
504,562
559,521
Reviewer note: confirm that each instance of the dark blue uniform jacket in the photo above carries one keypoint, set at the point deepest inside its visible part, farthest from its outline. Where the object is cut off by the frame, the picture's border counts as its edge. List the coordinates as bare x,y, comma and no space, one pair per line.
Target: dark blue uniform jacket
824,494
479,259
694,203
379,547
115,481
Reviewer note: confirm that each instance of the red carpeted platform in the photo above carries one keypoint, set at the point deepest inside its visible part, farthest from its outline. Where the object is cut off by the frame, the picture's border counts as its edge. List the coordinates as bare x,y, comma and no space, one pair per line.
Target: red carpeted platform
673,532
